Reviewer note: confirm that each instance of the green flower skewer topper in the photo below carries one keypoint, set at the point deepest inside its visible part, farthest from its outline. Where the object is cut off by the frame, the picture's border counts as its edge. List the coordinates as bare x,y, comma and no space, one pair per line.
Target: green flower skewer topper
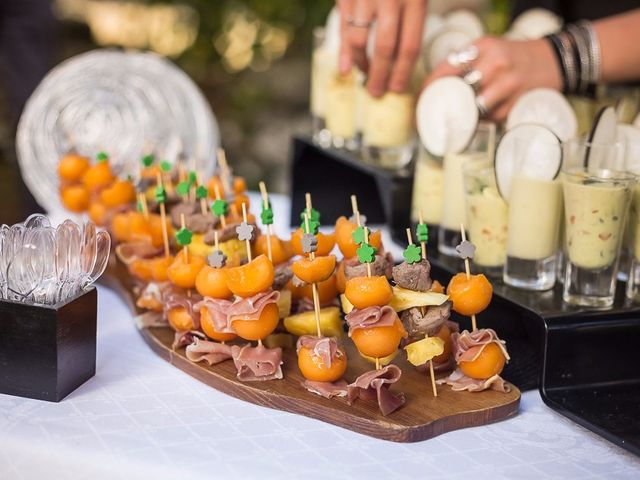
314,220
165,166
201,192
358,235
219,207
161,194
266,215
148,160
161,198
102,157
183,237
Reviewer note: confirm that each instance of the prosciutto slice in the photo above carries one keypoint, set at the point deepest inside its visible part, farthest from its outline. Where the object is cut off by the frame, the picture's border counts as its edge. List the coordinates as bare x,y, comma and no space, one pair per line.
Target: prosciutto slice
130,251
183,339
210,352
327,389
371,317
250,308
304,304
374,386
324,347
257,363
180,300
219,311
459,382
467,346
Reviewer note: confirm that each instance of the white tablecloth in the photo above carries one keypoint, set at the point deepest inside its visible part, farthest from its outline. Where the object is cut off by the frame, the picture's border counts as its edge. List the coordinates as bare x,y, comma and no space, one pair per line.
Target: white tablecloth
139,417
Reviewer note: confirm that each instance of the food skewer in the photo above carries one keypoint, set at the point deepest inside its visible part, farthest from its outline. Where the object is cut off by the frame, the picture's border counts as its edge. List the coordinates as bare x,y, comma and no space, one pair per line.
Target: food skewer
423,234
266,207
422,311
161,198
467,270
248,239
356,212
314,286
185,250
142,201
221,216
201,194
225,172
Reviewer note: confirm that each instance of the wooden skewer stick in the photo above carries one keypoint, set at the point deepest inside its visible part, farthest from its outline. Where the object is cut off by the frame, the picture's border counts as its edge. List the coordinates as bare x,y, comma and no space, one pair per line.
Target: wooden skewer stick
314,286
247,241
225,173
163,221
185,250
467,268
423,245
265,204
203,201
216,190
356,212
143,203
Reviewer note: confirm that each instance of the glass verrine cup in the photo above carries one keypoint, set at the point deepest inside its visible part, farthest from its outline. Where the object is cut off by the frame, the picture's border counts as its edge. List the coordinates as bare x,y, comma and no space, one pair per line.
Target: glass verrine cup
342,109
535,208
632,231
487,217
481,147
323,67
428,185
387,130
596,204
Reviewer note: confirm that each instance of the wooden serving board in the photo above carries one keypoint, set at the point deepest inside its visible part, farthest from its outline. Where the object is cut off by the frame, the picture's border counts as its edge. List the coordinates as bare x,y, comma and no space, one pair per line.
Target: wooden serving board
422,416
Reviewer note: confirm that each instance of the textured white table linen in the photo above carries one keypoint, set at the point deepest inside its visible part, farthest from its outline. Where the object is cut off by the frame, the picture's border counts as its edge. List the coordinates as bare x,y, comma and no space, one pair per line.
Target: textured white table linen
139,417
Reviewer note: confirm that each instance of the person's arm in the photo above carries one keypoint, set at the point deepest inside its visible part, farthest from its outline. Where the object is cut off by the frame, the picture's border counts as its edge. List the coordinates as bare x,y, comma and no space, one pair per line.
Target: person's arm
397,42
619,39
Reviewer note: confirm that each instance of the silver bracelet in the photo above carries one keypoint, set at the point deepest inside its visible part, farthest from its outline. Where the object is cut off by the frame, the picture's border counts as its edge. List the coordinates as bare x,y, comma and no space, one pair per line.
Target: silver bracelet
581,43
569,61
594,50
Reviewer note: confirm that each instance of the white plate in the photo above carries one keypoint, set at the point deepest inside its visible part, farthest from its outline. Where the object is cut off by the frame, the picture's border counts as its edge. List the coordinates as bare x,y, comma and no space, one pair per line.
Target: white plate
534,23
545,107
541,160
603,133
629,136
446,116
119,102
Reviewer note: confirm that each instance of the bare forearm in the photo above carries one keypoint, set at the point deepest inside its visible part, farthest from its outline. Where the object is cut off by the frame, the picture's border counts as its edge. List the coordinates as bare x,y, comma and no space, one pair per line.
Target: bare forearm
619,38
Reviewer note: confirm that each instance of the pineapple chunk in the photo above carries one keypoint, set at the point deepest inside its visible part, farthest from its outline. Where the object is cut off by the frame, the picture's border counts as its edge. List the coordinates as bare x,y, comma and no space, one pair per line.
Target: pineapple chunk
383,361
234,249
284,303
420,352
305,323
347,306
404,299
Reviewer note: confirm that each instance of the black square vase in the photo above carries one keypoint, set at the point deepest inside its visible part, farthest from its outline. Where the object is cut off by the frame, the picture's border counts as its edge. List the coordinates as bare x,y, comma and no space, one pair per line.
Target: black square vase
47,352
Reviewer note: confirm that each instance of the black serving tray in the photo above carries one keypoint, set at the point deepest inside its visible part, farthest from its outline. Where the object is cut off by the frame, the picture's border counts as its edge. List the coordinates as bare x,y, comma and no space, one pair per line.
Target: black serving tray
585,362
46,352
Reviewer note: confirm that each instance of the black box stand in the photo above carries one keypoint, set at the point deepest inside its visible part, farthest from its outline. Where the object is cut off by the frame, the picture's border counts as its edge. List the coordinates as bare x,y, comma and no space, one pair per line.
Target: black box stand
47,352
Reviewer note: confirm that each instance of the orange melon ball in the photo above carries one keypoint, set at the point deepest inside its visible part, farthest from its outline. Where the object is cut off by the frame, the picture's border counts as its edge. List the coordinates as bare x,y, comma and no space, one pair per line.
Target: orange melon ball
490,362
365,292
260,328
327,291
120,227
139,228
326,242
212,282
120,192
239,185
379,342
75,198
155,229
316,270
159,267
251,278
344,231
98,176
436,287
72,166
238,200
180,320
183,274
212,184
98,213
313,368
141,268
280,250
206,323
470,296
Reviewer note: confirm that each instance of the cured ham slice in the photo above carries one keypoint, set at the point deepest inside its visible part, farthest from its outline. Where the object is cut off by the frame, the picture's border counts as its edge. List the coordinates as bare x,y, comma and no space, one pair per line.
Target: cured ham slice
131,251
459,382
374,386
154,295
324,347
371,317
183,339
250,308
327,389
257,363
180,300
219,312
467,346
210,352
305,304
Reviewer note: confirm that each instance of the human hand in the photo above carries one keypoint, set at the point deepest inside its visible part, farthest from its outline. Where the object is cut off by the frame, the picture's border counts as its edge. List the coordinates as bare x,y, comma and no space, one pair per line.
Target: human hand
502,71
397,40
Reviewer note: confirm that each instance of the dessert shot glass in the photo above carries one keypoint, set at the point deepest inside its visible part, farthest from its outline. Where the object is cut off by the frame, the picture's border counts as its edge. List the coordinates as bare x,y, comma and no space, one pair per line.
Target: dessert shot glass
535,208
596,203
481,147
323,67
487,217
